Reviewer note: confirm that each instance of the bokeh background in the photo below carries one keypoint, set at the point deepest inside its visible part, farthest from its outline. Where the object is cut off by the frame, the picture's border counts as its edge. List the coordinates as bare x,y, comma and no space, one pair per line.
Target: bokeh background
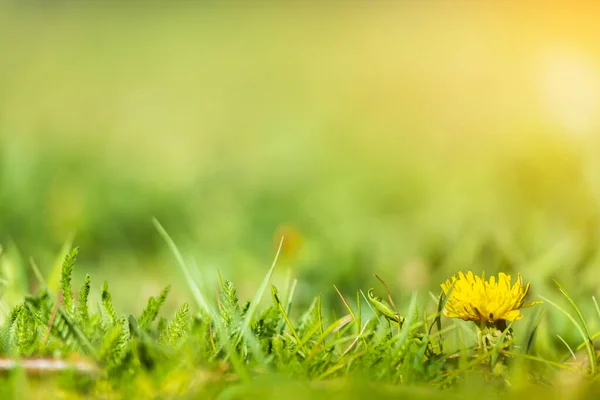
411,139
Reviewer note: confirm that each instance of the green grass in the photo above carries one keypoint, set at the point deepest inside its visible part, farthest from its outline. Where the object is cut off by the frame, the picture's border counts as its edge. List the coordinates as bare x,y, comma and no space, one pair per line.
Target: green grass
226,348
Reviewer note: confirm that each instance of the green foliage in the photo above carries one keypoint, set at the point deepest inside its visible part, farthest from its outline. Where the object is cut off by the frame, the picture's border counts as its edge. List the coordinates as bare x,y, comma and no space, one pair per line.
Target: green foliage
152,308
82,305
121,353
119,347
25,332
178,327
310,321
230,307
5,331
107,303
111,345
65,278
265,327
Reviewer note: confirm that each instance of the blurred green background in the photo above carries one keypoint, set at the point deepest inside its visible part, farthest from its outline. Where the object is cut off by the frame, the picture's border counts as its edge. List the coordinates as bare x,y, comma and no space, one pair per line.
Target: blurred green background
410,139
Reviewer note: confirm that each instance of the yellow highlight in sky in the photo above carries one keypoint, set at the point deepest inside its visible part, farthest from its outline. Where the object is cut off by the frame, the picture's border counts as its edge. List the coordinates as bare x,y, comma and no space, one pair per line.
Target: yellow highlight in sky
570,84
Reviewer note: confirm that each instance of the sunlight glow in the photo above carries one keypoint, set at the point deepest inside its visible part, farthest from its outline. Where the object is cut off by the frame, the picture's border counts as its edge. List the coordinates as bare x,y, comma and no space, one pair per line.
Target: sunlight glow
570,86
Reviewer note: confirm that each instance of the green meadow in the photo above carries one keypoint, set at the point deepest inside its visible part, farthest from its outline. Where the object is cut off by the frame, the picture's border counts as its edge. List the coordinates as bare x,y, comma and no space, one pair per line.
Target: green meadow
225,200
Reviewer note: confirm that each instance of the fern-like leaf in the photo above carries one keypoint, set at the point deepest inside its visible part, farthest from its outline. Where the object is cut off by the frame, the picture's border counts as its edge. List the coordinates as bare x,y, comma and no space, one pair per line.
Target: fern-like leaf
25,331
109,343
108,304
121,347
230,308
83,314
5,332
65,278
152,308
62,325
178,327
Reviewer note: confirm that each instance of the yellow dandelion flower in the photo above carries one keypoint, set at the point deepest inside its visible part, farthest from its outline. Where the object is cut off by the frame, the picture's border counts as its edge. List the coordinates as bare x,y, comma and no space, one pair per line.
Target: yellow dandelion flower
474,299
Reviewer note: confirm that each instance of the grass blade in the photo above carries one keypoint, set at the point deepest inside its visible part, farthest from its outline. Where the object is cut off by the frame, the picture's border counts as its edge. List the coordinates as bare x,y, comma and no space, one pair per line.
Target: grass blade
568,347
245,331
287,321
203,303
358,329
584,325
196,292
533,330
589,346
408,321
596,305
